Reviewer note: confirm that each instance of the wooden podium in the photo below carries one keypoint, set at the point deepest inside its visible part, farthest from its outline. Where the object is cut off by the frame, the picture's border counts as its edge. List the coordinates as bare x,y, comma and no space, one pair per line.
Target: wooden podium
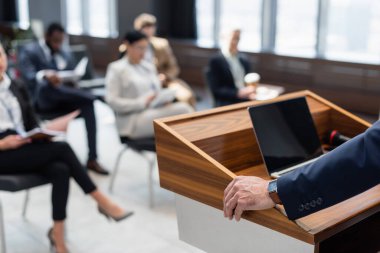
200,153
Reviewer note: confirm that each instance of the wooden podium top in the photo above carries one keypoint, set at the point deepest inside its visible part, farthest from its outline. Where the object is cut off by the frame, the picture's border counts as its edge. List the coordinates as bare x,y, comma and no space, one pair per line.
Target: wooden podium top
200,153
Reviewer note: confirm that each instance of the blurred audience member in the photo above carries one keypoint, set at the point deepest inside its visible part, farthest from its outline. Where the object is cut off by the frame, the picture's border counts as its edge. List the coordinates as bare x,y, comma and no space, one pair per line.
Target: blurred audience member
135,93
160,53
39,63
226,73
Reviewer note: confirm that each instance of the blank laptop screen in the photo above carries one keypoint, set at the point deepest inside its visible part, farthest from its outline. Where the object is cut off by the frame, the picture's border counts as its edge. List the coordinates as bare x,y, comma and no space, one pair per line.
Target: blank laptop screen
285,133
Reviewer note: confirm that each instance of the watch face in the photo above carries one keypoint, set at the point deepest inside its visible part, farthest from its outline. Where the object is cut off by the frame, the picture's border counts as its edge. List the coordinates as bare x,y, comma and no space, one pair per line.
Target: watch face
272,187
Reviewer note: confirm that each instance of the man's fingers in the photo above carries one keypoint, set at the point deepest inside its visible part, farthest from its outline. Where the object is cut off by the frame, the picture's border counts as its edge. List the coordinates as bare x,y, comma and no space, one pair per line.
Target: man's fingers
229,186
238,213
226,192
229,192
232,188
227,200
231,205
240,208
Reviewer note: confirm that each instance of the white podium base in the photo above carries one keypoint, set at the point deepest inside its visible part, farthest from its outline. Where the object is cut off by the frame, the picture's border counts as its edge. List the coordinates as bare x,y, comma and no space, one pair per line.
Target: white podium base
206,228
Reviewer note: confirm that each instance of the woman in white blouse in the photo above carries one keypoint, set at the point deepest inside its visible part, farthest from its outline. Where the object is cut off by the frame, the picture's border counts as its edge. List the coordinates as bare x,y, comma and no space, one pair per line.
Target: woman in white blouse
131,85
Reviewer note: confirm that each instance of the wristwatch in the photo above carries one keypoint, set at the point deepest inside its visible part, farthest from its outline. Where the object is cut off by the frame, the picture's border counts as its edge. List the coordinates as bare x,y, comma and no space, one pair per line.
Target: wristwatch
273,194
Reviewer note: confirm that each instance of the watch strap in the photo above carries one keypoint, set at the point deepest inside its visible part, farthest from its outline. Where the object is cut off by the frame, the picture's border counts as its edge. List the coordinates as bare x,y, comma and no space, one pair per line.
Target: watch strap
273,193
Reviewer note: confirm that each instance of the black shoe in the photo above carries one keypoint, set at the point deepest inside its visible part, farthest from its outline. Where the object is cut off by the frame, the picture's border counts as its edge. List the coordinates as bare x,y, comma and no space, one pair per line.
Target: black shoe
108,216
97,168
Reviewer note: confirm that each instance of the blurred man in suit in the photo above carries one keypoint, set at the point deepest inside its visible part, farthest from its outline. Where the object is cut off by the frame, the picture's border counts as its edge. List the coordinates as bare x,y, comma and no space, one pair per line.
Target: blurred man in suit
348,170
226,72
39,62
160,54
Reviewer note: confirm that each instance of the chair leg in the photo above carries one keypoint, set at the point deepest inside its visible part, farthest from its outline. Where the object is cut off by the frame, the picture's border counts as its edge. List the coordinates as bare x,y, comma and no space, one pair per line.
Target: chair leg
25,205
150,179
116,168
2,230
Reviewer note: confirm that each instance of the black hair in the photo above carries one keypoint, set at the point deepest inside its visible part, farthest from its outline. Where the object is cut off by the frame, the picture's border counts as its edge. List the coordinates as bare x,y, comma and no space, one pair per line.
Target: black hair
133,36
54,27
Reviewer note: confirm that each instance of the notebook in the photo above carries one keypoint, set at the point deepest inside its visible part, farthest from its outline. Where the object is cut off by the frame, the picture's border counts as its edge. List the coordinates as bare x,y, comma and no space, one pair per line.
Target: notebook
163,97
286,135
76,74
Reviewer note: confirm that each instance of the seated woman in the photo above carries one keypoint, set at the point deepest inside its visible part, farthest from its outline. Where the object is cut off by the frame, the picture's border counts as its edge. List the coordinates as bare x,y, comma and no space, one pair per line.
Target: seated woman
131,85
56,160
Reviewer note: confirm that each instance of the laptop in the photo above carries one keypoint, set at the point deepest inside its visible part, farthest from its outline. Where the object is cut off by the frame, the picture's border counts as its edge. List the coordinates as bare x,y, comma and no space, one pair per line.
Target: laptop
286,135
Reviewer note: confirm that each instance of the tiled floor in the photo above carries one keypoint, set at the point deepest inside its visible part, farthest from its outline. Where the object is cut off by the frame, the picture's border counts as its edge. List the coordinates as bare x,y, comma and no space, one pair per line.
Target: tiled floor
149,230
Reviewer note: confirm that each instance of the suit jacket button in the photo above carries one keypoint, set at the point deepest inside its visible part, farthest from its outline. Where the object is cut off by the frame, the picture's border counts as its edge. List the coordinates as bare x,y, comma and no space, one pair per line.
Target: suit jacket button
313,203
301,208
307,206
319,201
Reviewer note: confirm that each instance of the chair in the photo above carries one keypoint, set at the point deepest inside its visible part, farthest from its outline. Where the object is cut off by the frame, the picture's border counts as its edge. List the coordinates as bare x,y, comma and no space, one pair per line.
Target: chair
14,183
141,146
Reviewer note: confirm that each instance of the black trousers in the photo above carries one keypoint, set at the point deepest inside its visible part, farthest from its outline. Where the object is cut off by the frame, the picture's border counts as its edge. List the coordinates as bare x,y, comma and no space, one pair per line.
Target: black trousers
65,99
57,161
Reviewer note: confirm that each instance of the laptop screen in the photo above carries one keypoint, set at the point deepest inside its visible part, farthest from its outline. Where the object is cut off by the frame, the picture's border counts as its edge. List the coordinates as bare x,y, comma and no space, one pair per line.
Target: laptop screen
285,133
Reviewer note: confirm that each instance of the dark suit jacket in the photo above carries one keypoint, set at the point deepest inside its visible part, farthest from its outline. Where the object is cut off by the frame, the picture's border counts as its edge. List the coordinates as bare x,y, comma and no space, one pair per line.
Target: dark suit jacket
28,115
32,59
344,172
221,81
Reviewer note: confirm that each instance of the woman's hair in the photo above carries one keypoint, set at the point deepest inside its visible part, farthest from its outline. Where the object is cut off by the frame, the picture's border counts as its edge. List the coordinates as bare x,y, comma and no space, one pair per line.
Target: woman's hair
144,20
133,36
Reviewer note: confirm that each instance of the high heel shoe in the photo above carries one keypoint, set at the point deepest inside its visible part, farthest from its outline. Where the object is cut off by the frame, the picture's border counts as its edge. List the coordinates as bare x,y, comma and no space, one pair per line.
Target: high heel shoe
120,218
51,240
53,248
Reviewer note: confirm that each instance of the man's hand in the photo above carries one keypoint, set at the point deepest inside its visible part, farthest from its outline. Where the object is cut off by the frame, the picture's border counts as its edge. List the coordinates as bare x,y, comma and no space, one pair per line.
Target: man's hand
53,79
13,142
246,92
246,193
252,96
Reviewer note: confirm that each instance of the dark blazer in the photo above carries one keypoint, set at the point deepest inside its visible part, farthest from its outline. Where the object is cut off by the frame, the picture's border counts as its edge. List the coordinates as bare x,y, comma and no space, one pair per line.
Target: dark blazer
221,81
344,172
28,115
32,59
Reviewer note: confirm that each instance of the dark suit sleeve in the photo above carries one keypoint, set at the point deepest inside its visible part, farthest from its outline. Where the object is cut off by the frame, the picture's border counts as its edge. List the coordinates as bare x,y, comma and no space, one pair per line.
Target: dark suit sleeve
217,85
344,172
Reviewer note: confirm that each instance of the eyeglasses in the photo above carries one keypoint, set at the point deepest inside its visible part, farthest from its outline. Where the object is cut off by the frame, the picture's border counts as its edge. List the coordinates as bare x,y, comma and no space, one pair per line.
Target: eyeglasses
140,48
